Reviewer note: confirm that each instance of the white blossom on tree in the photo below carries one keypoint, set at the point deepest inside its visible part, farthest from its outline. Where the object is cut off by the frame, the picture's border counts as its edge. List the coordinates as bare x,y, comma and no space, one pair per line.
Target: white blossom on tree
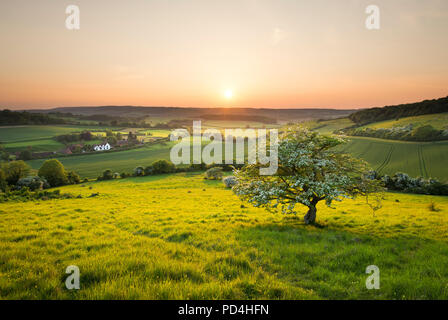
309,171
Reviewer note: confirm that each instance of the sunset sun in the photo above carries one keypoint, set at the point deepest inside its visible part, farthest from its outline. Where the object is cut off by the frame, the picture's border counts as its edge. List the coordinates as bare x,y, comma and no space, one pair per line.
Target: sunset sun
228,94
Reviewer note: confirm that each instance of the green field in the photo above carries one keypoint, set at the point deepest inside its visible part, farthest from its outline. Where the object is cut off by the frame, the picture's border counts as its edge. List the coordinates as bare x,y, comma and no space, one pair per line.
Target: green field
35,145
328,126
426,159
92,165
385,156
38,138
31,133
182,237
438,121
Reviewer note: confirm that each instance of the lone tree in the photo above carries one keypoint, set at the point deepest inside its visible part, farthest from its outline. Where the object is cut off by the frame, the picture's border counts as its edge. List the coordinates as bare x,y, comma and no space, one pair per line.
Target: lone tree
310,170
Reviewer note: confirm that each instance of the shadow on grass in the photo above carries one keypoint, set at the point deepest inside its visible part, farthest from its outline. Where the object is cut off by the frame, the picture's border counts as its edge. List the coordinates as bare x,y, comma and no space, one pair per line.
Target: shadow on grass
333,263
144,179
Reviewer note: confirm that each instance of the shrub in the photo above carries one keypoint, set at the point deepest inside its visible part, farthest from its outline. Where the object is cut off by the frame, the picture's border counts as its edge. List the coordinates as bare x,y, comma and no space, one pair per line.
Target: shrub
4,155
107,175
14,171
403,182
124,175
230,181
33,183
53,171
25,155
213,173
139,171
163,166
73,177
24,194
149,170
197,166
3,183
116,175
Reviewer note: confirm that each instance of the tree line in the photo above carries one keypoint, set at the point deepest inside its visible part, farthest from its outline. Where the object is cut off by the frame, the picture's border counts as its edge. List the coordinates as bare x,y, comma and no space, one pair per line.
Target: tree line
367,116
8,117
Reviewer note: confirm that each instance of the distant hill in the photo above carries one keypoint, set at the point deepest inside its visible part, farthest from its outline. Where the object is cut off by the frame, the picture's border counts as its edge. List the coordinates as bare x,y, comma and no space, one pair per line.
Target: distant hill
8,117
367,116
197,113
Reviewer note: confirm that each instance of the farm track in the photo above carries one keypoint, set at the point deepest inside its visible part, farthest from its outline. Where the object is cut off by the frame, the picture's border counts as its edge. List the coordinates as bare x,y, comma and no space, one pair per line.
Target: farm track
421,162
369,145
386,160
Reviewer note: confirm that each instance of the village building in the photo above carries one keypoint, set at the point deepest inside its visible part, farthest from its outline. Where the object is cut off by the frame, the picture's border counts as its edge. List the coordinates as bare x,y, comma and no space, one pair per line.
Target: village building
102,147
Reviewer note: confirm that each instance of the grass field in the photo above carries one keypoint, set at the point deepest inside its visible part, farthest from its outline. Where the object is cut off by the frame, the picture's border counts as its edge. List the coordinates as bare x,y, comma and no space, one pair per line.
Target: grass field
426,159
328,126
384,156
438,121
182,237
35,145
31,133
38,138
92,165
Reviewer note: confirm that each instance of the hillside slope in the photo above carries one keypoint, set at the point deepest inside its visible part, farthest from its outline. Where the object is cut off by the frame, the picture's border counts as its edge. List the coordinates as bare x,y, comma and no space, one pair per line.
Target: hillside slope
182,237
371,115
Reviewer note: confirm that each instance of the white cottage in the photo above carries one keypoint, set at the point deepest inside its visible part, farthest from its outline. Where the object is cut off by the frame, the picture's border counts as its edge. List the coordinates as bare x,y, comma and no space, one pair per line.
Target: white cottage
102,147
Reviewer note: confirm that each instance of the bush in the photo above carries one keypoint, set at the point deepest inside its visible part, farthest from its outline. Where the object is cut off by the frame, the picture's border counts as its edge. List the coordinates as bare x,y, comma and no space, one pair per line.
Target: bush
3,183
107,175
149,170
403,182
53,171
124,175
163,166
230,181
14,171
73,177
139,171
24,194
198,167
213,173
33,183
25,155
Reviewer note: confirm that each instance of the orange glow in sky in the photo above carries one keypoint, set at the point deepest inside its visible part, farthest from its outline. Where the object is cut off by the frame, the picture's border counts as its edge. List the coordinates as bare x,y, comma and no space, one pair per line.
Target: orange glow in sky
215,53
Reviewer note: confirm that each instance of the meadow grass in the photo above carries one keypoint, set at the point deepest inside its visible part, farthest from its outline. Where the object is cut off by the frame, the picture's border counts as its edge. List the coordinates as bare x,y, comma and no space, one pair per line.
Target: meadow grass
426,159
10,134
35,145
182,237
328,126
438,121
92,165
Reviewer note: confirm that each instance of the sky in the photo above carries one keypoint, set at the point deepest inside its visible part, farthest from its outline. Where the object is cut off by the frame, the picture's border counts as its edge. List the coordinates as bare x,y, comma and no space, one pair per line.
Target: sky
222,53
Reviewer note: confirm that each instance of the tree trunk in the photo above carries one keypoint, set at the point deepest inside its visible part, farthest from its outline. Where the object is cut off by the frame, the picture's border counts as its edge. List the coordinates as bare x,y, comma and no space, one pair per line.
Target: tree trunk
310,217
